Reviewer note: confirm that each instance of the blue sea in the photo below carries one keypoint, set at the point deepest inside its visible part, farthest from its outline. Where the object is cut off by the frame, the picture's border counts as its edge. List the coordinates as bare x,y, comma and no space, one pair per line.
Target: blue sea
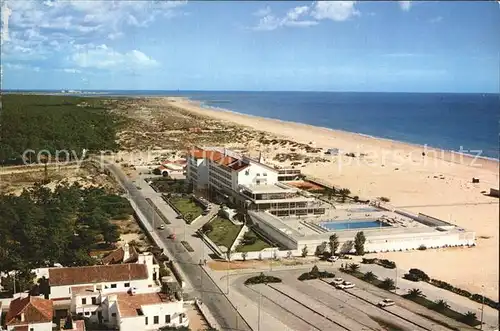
446,121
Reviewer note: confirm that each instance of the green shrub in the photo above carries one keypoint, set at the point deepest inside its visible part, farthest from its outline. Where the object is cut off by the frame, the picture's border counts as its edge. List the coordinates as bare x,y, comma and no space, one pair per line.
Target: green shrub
316,274
262,279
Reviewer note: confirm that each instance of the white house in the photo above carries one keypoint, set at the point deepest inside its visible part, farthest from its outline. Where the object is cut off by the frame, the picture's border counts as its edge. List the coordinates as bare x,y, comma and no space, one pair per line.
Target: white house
146,311
117,277
29,314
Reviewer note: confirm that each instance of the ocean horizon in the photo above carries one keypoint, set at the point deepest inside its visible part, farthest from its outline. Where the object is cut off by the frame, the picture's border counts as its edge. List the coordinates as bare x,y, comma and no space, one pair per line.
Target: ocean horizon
460,122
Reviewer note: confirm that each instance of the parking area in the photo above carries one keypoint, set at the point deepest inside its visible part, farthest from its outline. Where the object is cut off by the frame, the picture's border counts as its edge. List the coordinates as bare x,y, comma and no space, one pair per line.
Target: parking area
317,305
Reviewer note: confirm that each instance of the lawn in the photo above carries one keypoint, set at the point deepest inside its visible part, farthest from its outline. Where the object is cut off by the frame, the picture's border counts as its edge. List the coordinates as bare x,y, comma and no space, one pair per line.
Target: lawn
186,207
224,232
257,246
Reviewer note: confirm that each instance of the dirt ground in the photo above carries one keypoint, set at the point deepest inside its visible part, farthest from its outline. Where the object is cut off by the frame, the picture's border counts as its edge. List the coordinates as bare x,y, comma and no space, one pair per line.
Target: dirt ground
196,320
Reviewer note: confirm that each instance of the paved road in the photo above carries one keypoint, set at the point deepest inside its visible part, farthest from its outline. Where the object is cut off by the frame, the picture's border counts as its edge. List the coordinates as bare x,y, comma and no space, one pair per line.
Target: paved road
213,298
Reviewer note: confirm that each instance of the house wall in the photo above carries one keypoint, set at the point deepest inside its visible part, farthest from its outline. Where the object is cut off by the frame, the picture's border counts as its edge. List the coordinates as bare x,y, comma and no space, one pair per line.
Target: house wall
58,292
254,173
175,310
35,326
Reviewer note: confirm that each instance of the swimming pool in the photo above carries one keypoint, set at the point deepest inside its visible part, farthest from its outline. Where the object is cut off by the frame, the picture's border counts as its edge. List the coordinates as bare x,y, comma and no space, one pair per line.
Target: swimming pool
352,224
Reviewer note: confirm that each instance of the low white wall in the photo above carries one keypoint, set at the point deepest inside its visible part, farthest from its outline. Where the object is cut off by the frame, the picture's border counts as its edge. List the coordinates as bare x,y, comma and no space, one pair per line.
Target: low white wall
276,234
239,237
267,253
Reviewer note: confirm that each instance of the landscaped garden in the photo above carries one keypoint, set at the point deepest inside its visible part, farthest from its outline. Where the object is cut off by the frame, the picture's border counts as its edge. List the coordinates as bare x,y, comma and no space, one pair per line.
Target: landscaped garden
222,231
189,209
168,185
251,242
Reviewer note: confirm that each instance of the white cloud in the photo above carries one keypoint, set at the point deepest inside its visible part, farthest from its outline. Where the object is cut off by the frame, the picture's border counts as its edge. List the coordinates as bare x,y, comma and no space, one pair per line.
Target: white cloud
291,19
6,12
436,19
405,5
104,57
263,12
19,66
72,71
38,23
334,10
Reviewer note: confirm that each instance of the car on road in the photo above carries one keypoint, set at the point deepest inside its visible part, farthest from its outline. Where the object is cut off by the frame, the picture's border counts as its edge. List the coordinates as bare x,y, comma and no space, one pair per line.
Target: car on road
345,285
205,212
171,236
161,227
386,303
332,258
178,216
337,281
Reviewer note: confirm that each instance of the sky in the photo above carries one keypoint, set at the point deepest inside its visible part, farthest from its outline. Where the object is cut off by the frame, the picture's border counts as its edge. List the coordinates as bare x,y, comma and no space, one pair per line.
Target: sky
393,46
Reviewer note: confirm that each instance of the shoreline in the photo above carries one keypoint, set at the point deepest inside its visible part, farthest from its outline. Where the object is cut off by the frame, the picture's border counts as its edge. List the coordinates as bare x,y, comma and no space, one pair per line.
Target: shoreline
438,153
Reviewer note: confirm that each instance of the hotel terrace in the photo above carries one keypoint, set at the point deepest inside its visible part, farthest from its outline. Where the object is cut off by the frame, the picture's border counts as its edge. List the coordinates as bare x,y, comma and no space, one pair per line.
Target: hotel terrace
225,175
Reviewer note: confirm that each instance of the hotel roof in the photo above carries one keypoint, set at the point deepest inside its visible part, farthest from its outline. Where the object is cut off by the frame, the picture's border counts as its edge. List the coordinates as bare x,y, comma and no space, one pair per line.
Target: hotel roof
129,305
97,274
35,310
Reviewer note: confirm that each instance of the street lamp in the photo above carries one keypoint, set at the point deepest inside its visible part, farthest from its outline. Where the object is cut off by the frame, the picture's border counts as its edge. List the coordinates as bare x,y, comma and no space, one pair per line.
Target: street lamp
482,306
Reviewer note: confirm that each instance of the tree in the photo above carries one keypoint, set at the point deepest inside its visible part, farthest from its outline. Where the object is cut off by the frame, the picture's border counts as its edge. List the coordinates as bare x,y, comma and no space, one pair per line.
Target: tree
304,251
112,234
344,193
469,317
355,198
168,290
354,267
388,284
414,293
359,243
333,243
320,249
440,305
369,276
289,254
244,256
384,199
207,227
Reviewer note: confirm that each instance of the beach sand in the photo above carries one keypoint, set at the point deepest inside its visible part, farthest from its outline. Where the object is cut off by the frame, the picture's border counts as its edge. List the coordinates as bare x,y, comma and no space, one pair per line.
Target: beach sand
437,184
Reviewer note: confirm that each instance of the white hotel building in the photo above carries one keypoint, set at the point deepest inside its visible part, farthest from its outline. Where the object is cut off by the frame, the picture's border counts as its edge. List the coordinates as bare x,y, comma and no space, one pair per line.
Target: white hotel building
248,183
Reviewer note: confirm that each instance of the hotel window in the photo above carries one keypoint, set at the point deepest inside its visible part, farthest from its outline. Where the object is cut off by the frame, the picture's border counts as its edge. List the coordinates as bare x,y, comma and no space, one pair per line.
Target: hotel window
113,314
87,313
94,300
113,285
84,301
156,319
146,320
167,319
127,284
93,313
32,329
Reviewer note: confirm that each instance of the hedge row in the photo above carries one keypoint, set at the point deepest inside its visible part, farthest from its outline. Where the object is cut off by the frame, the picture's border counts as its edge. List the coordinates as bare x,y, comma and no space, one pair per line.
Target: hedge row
475,297
382,262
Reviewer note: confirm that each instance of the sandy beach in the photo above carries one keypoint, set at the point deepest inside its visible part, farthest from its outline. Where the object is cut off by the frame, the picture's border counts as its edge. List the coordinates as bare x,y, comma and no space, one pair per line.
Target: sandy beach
438,183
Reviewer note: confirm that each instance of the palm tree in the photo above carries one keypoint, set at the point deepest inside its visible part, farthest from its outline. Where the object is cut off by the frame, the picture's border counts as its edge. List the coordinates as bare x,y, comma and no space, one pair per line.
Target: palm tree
469,317
354,267
415,293
369,276
388,284
441,305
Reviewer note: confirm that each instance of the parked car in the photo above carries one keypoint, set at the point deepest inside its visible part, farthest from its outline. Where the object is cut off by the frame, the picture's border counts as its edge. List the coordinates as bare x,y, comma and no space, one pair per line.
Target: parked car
337,281
205,212
386,303
171,236
345,285
332,258
161,227
178,217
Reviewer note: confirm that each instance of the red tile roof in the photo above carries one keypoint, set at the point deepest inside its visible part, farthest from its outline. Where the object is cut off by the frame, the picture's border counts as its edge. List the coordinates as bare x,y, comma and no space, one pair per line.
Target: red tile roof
97,274
117,255
128,304
35,310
